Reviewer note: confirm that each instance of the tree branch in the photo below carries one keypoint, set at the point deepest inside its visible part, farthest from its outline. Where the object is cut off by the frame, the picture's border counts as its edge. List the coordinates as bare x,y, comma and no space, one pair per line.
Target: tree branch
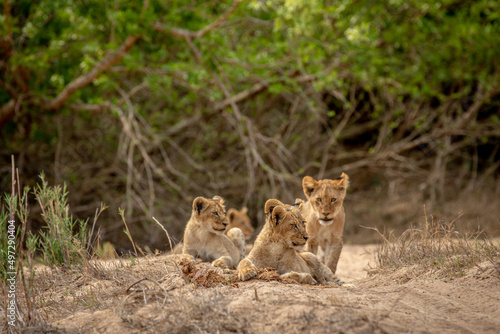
197,34
255,89
105,63
7,111
7,15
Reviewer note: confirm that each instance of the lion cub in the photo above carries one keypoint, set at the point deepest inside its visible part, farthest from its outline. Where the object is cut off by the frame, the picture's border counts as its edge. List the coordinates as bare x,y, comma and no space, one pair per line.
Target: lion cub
276,247
325,217
240,220
204,235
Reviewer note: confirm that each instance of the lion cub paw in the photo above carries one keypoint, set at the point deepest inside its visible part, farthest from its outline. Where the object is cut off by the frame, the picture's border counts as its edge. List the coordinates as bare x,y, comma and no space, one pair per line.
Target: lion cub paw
303,278
246,273
187,259
220,263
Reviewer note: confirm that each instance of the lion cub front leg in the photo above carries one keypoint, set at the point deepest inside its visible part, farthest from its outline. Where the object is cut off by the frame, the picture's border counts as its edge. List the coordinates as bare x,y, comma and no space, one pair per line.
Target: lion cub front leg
332,254
321,272
303,278
238,239
188,255
246,270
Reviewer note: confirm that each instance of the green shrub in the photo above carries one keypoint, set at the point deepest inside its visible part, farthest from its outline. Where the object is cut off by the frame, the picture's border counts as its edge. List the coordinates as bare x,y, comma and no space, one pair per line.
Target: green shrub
63,241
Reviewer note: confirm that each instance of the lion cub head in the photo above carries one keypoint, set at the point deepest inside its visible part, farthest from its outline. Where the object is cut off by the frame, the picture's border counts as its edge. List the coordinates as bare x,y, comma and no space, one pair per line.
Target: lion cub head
286,223
210,213
326,196
240,220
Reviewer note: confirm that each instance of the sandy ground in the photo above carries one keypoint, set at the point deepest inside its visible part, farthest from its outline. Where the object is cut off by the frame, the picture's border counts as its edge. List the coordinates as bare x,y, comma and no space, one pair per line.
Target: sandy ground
153,295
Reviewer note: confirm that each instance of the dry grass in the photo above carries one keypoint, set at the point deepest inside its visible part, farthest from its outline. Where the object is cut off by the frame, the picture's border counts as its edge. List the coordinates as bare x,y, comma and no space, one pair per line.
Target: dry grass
436,246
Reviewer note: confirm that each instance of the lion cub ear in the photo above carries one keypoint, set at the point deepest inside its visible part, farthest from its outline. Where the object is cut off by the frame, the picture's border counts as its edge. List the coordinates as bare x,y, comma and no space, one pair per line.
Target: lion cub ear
344,183
244,210
277,215
218,199
231,214
308,185
270,205
199,204
299,203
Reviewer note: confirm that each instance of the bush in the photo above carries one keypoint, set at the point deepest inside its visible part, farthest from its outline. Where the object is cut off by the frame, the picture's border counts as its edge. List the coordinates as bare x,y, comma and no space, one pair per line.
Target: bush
64,239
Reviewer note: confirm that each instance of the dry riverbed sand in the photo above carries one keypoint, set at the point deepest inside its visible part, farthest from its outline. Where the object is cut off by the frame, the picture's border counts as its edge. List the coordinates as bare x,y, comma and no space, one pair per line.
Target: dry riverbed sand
154,294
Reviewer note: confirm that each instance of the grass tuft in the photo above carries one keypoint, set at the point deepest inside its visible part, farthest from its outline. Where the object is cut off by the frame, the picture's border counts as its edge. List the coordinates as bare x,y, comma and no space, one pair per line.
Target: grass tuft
437,246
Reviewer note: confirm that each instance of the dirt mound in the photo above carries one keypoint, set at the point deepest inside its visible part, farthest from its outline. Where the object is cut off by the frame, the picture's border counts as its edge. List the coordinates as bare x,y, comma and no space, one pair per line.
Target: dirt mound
207,277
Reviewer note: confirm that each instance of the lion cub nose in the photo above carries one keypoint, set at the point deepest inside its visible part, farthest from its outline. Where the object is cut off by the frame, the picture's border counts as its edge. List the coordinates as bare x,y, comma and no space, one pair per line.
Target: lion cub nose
325,213
224,223
305,238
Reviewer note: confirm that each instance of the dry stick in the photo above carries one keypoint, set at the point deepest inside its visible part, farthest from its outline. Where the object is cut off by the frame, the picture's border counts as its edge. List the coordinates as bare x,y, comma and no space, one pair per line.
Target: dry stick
145,279
376,230
166,232
13,189
23,221
96,216
128,233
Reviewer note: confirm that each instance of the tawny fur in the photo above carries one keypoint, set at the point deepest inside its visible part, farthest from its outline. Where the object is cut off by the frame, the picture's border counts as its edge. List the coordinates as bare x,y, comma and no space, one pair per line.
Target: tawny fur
325,217
236,219
276,247
204,235
240,219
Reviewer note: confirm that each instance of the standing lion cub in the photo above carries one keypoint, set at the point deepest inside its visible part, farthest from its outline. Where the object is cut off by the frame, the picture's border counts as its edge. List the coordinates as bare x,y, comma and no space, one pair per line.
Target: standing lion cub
325,217
204,235
276,247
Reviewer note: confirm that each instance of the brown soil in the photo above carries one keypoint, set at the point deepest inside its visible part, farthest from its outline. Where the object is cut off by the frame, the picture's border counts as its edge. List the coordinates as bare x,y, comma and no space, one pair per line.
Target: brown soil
156,295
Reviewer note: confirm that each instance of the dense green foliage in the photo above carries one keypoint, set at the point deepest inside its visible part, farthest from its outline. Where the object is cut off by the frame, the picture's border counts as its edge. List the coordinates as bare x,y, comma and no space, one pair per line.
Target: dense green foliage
148,105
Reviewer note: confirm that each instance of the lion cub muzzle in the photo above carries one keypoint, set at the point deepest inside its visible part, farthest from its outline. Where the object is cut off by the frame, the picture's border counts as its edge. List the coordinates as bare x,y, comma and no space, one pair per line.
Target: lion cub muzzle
325,222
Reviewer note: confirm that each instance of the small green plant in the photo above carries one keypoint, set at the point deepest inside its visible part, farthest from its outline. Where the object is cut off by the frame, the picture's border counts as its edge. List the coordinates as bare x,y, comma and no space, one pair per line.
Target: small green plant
64,240
13,217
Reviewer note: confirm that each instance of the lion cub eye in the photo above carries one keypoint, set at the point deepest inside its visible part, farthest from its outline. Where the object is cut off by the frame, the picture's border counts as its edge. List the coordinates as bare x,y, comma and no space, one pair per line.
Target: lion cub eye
215,214
318,200
295,226
334,200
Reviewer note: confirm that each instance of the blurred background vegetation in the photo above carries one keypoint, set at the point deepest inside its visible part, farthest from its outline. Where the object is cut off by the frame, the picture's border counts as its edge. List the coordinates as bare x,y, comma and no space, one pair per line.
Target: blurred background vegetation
146,105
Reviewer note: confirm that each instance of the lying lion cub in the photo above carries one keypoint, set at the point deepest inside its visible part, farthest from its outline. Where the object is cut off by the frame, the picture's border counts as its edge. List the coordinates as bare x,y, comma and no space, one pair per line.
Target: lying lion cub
204,235
235,218
275,247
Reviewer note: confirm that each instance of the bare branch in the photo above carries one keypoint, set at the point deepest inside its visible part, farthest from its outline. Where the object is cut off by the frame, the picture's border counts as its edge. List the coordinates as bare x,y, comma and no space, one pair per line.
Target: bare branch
7,15
241,96
7,111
